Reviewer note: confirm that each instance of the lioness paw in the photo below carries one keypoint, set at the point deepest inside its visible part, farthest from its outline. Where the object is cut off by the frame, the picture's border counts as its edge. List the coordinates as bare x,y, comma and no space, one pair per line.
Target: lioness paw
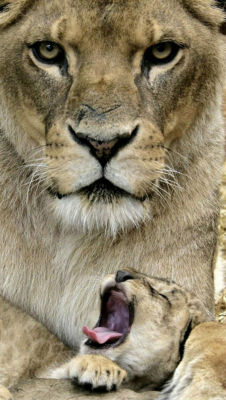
94,372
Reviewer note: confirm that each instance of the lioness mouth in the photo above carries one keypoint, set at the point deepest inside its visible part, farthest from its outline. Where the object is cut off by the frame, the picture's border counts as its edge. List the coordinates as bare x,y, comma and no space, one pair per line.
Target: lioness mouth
104,190
114,323
101,189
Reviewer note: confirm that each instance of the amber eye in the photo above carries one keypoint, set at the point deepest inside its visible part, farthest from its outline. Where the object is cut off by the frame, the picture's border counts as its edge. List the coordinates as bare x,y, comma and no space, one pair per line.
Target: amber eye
48,52
161,53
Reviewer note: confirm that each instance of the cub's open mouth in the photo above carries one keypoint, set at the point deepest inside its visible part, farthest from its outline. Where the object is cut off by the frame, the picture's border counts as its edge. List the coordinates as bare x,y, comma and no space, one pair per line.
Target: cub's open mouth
115,320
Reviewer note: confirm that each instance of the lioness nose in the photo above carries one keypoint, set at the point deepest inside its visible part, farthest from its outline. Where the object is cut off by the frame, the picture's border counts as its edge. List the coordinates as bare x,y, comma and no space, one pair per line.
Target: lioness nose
103,150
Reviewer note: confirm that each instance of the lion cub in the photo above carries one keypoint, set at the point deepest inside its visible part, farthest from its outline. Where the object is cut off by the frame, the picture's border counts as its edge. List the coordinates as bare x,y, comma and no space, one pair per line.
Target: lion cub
139,337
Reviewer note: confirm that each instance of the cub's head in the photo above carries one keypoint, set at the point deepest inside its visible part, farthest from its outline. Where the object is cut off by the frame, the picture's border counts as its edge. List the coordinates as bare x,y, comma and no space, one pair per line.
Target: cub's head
143,325
93,95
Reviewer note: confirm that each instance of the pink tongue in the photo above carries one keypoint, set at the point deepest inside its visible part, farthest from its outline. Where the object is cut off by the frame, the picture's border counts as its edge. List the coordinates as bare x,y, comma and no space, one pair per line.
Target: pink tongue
100,335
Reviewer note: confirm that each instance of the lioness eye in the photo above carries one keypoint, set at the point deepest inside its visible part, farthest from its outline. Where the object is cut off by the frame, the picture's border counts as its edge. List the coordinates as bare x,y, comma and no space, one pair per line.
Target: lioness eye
48,52
161,53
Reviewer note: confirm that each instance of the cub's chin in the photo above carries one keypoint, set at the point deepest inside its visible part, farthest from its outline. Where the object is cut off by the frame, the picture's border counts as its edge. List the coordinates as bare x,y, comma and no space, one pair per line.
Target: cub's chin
100,207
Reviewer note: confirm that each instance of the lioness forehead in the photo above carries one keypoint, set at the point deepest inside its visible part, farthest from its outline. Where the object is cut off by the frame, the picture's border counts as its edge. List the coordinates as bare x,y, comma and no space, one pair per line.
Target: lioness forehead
138,22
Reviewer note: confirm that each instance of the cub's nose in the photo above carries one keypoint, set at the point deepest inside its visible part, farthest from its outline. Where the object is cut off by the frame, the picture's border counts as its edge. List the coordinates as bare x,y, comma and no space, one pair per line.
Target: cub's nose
103,150
122,276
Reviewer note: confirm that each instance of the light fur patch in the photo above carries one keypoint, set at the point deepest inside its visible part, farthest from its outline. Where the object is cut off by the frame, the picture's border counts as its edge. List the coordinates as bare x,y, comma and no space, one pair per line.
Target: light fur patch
77,214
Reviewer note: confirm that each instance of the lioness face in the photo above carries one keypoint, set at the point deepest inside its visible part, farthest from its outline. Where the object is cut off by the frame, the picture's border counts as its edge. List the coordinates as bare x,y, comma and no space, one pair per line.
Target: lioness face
98,91
143,325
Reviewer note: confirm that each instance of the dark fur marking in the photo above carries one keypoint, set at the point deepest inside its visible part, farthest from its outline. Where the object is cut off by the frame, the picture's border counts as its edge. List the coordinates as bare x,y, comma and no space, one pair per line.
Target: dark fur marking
154,292
87,386
223,28
186,335
221,4
4,7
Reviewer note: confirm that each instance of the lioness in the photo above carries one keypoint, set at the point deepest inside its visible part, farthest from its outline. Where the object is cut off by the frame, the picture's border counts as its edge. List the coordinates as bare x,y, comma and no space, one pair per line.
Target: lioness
111,140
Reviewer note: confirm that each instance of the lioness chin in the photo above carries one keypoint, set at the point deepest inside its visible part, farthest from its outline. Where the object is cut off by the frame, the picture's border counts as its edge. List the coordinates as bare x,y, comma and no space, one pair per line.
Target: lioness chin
111,139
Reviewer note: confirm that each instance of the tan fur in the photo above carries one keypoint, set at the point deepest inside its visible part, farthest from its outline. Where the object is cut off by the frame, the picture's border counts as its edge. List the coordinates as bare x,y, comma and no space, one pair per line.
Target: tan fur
25,347
201,374
55,252
4,393
163,312
63,390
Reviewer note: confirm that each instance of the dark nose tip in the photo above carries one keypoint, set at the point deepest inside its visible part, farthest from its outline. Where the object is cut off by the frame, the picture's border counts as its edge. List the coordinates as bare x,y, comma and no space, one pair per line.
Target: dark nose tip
103,150
122,276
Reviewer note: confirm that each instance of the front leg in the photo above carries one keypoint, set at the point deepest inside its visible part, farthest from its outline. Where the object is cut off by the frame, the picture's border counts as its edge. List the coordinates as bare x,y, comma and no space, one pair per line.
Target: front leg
25,347
94,372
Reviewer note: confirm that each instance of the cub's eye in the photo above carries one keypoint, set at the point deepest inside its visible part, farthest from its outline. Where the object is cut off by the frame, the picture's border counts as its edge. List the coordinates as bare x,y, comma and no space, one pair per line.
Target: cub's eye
48,52
161,53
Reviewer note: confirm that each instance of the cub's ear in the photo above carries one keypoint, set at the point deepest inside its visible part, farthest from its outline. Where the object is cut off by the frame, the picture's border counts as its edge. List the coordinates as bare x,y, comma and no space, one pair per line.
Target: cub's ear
198,312
10,10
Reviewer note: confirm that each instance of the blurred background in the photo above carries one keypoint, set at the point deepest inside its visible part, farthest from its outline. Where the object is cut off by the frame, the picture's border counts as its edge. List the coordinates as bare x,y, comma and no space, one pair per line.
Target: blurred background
220,275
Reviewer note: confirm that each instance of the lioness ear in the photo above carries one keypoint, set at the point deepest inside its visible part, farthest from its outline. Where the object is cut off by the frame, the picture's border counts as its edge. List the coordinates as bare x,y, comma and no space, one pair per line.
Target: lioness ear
11,10
209,12
222,4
